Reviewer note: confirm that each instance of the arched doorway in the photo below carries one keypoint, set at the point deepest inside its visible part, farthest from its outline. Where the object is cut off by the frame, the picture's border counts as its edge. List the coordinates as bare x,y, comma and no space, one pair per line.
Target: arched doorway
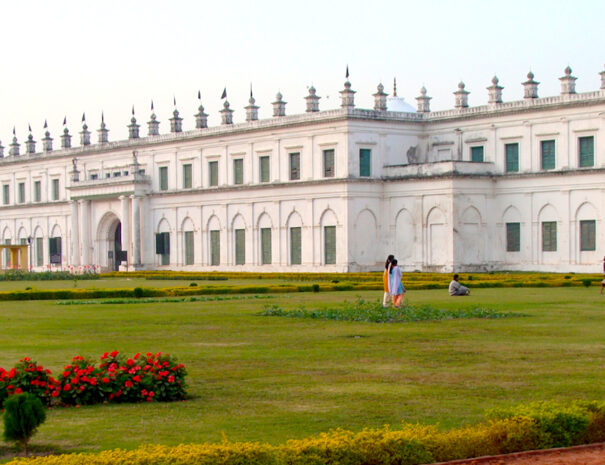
109,242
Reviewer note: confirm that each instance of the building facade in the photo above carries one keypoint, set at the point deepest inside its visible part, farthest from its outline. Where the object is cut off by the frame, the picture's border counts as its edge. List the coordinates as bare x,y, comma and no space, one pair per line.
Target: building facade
503,186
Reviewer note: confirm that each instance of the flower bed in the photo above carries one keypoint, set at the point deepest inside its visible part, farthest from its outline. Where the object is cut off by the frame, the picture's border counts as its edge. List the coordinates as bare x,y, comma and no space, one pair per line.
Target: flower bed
534,426
149,377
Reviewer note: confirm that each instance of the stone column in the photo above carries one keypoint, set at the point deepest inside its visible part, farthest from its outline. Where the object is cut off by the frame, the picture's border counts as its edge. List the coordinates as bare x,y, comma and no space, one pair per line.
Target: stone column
85,232
75,234
136,231
124,201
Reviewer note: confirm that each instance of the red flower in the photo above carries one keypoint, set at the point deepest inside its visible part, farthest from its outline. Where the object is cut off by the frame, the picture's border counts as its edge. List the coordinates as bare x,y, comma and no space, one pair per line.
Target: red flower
171,379
136,378
130,362
67,387
105,380
18,391
26,359
128,384
114,354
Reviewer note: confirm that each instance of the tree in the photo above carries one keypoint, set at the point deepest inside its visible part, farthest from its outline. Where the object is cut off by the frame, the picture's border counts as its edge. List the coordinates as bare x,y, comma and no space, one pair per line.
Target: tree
23,413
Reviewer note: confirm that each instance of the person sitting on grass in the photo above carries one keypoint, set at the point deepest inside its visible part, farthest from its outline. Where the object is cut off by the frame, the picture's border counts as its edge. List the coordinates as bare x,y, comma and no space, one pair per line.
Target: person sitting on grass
458,289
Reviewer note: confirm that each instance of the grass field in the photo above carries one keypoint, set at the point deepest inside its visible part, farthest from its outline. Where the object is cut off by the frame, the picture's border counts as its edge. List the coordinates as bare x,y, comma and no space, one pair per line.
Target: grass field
258,378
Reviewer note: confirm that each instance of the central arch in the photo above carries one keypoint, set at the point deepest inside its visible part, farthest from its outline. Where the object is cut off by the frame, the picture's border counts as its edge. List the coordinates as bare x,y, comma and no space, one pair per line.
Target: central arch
109,242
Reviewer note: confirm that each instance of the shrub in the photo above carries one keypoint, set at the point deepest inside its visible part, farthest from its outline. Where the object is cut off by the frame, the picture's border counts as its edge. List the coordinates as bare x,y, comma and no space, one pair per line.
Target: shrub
22,416
28,376
315,287
587,282
138,292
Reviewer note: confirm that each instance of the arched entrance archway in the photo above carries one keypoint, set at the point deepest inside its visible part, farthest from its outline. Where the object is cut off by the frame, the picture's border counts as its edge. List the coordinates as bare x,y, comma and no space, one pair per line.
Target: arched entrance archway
109,242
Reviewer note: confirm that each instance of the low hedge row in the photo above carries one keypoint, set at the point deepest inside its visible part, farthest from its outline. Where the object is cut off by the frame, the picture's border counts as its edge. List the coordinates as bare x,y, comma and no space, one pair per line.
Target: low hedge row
149,377
533,426
20,275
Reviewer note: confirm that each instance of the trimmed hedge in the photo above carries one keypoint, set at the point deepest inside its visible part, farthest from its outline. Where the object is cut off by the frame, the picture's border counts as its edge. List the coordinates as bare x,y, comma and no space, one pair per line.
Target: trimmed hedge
528,427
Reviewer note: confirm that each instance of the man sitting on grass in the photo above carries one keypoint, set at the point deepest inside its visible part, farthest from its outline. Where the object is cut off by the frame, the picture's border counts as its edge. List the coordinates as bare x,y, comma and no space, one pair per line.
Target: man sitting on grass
458,289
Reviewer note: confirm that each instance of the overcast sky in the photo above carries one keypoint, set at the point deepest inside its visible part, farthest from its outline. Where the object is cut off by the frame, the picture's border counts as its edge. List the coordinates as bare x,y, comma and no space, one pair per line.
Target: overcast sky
62,57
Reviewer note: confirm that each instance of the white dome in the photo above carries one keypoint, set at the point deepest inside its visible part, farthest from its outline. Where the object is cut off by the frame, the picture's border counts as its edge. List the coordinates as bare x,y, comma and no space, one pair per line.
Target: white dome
399,104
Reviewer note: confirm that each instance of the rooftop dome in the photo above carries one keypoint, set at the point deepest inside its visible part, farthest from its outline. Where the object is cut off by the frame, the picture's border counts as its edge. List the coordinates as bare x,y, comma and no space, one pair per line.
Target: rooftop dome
399,104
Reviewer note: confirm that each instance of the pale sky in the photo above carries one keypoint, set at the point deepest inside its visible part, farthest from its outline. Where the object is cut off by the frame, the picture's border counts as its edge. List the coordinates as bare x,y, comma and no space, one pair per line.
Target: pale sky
63,57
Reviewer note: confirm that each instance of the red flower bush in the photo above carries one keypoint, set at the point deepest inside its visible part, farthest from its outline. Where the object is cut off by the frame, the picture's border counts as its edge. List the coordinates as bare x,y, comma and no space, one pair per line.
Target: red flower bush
28,376
148,378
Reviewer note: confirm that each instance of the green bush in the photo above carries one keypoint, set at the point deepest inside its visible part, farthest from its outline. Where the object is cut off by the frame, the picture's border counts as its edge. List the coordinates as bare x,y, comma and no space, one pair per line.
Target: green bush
138,292
587,282
23,413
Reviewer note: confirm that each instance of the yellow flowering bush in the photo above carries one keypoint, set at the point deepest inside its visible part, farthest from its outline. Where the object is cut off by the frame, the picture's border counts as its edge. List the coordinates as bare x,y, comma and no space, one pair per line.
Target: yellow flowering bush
507,431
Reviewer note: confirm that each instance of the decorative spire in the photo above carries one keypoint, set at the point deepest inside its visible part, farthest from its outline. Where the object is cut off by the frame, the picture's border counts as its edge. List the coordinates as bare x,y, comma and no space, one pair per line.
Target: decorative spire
133,127
424,101
103,132
380,99
461,96
495,92
279,106
530,87
14,147
568,82
347,96
251,109
30,143
312,100
201,118
85,133
47,141
1,150
226,112
153,126
602,73
394,87
176,122
65,137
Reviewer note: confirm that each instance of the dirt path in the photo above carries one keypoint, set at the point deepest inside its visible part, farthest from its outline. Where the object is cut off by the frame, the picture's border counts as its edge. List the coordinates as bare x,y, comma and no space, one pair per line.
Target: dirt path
593,454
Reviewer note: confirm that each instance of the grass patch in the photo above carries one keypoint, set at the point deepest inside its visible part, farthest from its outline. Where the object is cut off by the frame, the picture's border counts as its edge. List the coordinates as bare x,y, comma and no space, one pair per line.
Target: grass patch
151,300
373,312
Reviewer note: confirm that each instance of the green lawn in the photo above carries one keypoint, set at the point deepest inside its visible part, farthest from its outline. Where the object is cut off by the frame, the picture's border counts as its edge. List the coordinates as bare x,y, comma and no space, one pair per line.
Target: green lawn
257,378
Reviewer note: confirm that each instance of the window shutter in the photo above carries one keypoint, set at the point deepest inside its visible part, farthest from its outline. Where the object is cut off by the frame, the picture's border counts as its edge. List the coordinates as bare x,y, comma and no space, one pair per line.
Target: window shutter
588,235
330,245
240,246
187,180
328,163
294,166
295,243
513,237
215,248
264,169
265,234
365,156
477,154
189,251
548,154
512,158
213,170
39,251
159,243
586,146
238,171
549,236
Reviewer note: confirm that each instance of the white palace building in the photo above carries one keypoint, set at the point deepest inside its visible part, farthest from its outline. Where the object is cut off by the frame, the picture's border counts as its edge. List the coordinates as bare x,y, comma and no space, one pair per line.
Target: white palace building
503,186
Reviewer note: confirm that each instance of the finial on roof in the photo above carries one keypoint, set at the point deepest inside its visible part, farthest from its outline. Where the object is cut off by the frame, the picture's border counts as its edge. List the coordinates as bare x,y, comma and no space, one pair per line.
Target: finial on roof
568,82
103,131
133,127
424,102
380,98
14,147
567,70
495,92
201,118
461,96
279,106
251,109
85,133
394,87
312,100
530,87
47,141
226,112
30,143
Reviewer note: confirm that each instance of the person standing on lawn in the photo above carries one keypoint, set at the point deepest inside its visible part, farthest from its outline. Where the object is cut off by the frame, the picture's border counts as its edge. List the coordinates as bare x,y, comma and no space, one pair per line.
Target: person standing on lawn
396,288
385,281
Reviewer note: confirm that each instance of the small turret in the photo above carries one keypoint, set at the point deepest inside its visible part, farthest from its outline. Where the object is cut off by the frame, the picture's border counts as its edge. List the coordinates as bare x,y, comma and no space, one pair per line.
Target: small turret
176,122
226,114
133,127
30,143
424,102
461,96
103,132
568,82
495,92
47,141
201,118
380,98
530,87
14,147
347,96
65,137
251,109
279,106
153,125
312,100
85,133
